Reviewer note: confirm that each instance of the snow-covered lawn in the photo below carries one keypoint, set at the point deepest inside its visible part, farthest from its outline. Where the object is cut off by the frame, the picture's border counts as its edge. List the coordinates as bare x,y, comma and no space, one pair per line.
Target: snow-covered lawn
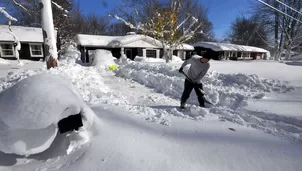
140,128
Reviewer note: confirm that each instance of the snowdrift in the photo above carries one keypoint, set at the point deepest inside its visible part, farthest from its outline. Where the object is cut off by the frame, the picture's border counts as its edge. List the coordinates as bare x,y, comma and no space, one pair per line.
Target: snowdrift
3,61
229,90
101,58
70,54
31,109
156,60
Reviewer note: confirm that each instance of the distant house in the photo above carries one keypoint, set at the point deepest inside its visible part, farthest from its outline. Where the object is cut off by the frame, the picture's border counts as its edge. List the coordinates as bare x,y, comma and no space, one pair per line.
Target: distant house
131,45
231,51
31,40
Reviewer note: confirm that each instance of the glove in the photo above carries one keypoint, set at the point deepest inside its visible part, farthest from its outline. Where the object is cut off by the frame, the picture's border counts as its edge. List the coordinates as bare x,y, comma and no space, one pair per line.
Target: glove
180,70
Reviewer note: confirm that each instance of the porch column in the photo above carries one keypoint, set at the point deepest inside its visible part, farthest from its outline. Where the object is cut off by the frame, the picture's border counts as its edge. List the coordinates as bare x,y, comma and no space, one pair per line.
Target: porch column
122,51
87,55
144,53
157,53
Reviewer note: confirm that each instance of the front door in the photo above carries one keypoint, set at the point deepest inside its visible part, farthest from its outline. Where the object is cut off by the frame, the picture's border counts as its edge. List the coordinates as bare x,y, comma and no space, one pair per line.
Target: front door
129,53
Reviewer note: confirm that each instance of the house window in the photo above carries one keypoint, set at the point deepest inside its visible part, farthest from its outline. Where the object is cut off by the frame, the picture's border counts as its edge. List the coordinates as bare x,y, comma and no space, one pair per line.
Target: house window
36,50
151,53
7,50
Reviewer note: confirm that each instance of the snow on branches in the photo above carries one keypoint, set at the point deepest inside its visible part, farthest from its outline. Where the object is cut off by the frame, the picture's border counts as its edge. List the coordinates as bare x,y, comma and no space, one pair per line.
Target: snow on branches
167,27
11,18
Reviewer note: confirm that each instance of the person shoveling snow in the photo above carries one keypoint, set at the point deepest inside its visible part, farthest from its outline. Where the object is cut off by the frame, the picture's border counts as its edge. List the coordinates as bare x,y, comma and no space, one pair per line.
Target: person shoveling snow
198,69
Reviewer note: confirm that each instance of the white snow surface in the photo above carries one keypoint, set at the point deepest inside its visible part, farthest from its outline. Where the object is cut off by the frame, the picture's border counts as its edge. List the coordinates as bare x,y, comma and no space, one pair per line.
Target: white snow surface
3,61
139,91
156,60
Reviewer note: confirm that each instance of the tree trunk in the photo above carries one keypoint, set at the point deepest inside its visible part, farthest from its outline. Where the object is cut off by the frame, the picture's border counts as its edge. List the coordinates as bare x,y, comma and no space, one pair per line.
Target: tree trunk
276,30
281,46
288,52
48,34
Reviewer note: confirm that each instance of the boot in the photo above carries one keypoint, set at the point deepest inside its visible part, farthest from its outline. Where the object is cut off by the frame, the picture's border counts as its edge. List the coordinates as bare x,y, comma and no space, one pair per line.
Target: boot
182,104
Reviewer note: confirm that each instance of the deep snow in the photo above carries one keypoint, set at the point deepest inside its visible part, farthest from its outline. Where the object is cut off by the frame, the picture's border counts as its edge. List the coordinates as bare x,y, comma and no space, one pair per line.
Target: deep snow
194,139
33,107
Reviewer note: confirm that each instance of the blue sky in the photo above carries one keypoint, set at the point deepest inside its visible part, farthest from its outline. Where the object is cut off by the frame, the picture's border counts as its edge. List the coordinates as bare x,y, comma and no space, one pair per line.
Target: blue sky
220,12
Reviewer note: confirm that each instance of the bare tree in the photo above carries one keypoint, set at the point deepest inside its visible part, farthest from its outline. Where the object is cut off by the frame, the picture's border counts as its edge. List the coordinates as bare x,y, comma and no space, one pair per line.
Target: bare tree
247,31
284,20
163,21
118,29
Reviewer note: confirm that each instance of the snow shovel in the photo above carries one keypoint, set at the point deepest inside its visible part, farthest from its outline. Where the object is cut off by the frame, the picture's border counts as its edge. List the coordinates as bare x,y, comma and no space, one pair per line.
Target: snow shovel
202,91
192,82
72,122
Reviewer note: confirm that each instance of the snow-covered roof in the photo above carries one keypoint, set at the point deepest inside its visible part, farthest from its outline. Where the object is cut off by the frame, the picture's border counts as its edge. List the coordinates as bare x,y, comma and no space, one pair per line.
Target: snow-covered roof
228,47
130,40
185,46
24,34
118,41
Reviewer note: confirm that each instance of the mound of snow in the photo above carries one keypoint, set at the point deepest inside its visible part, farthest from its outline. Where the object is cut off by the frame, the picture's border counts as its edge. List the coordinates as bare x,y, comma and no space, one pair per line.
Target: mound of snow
156,60
222,89
102,58
70,53
3,61
176,59
146,59
31,109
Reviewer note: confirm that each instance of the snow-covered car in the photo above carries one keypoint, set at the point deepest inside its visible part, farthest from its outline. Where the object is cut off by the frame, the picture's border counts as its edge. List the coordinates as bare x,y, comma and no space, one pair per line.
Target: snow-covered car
31,110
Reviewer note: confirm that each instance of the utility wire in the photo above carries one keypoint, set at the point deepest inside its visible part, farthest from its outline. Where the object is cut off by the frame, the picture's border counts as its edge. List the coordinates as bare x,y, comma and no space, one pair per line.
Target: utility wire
279,11
289,7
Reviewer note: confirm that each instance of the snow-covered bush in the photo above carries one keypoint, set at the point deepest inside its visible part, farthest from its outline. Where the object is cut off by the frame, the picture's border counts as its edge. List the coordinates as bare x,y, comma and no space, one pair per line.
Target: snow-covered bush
102,58
176,59
146,59
70,53
31,109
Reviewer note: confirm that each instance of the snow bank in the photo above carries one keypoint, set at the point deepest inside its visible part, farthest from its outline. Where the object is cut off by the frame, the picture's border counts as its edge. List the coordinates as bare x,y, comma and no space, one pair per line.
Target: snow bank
146,59
156,60
222,89
176,59
102,58
3,61
70,53
39,103
228,91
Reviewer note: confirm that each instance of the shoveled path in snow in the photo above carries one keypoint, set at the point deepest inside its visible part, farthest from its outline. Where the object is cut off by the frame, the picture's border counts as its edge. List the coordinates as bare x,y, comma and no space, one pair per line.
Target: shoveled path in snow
147,103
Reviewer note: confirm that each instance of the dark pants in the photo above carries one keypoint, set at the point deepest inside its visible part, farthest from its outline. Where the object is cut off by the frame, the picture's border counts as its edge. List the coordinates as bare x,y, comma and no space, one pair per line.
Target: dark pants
188,89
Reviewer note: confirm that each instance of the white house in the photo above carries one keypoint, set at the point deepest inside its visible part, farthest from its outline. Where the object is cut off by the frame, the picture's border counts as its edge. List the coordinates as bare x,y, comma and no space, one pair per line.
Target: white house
131,45
31,39
231,51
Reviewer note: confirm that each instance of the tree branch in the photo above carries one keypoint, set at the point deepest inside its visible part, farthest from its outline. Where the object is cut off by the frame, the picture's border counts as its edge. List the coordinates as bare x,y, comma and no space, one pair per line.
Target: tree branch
7,15
60,7
19,4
